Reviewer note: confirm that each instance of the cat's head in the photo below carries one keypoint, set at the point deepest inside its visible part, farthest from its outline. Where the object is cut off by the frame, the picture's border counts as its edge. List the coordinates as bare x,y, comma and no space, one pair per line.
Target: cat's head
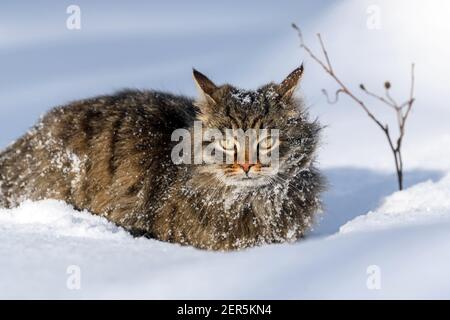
272,106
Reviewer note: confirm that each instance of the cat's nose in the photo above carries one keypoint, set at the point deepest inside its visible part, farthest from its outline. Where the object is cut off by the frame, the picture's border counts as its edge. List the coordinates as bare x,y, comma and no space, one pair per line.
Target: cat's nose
246,167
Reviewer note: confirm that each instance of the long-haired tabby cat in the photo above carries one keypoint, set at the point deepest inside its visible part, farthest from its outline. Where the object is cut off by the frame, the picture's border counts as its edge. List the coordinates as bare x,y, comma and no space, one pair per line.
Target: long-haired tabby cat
111,155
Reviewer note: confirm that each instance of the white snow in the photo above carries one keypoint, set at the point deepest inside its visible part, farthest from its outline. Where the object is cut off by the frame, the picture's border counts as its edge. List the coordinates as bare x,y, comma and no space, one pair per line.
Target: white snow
59,219
409,242
424,203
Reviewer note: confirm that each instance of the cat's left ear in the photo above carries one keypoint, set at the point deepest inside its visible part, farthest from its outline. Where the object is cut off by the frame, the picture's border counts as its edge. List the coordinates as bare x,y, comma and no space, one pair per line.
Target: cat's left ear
206,87
287,88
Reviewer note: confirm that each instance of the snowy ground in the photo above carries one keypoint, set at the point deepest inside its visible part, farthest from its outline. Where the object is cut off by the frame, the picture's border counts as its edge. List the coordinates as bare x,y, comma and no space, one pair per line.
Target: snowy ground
406,240
366,226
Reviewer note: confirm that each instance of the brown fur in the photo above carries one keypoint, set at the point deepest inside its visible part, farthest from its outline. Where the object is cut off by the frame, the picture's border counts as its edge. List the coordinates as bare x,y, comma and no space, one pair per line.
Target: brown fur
111,156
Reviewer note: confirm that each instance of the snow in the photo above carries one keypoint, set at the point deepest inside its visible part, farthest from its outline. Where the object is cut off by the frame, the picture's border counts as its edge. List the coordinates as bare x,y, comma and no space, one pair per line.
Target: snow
424,203
57,218
407,238
405,235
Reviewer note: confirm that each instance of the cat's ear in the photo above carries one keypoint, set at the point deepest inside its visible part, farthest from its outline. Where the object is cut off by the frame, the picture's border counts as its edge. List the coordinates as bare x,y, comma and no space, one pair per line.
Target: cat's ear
287,88
206,87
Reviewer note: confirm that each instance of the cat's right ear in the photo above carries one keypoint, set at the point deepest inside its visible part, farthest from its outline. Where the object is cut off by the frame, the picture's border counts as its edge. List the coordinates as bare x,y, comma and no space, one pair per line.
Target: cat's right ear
206,87
287,87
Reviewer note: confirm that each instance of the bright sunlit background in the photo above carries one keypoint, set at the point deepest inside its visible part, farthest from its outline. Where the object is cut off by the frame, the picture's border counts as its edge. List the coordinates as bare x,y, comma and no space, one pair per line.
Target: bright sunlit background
141,44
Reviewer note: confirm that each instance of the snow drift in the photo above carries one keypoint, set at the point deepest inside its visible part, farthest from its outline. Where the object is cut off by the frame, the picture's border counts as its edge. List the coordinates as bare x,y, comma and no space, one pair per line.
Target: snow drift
425,203
409,242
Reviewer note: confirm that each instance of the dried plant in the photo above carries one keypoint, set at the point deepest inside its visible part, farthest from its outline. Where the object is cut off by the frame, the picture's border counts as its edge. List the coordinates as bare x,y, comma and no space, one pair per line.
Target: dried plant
401,111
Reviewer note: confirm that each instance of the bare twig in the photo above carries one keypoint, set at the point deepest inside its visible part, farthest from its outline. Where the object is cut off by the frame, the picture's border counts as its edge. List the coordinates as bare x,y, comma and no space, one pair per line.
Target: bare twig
402,111
336,96
374,95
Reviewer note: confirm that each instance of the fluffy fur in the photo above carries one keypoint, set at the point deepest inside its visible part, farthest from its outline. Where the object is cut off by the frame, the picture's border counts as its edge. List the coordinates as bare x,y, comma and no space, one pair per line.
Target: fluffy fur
111,156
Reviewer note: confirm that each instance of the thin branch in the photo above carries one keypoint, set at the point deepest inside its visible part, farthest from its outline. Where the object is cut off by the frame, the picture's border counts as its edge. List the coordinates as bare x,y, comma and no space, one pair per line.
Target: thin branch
388,95
401,115
336,96
307,49
325,53
333,75
411,93
374,95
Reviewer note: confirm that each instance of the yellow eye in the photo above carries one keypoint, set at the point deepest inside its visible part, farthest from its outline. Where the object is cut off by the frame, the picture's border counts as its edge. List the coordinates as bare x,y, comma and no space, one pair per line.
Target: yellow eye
227,144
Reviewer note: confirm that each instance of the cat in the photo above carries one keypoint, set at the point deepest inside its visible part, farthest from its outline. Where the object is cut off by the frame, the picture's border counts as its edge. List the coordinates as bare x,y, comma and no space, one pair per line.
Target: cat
111,155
